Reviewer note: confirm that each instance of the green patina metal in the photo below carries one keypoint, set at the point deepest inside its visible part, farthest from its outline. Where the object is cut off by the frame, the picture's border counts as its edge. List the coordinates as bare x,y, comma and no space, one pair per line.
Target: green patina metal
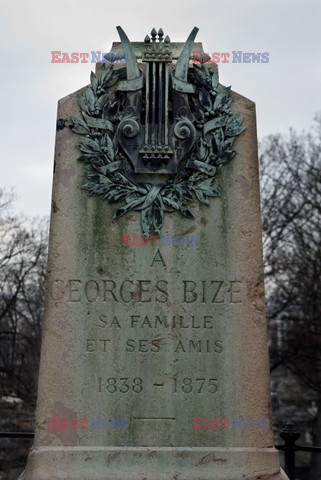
163,116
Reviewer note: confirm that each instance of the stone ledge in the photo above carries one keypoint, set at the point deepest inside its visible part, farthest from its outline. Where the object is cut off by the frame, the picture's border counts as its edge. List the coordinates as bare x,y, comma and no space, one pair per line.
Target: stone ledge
143,463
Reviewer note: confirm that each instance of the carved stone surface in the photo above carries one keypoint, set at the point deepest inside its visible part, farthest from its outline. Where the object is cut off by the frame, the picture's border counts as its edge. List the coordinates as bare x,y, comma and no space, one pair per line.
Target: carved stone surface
155,335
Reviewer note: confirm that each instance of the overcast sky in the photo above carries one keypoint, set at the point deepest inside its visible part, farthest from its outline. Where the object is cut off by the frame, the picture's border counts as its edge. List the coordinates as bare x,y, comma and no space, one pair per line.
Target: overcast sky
286,89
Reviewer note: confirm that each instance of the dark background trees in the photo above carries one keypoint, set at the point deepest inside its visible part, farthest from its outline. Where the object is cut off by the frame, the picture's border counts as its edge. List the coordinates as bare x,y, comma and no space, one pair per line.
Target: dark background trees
291,214
23,254
23,250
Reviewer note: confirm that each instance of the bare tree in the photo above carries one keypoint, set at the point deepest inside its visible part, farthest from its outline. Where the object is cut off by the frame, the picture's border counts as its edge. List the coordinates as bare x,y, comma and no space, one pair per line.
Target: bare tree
291,211
23,250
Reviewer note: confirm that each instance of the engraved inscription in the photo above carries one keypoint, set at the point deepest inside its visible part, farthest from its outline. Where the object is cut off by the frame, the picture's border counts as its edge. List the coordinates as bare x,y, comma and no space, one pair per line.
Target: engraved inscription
182,320
221,292
121,385
195,385
180,385
156,345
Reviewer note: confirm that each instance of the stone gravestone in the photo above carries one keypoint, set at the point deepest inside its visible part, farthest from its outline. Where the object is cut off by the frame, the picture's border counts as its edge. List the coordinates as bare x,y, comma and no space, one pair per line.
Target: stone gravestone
154,357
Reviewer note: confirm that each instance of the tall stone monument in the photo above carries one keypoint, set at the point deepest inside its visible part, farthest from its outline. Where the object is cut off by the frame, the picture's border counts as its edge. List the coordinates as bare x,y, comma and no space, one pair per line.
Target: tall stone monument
154,357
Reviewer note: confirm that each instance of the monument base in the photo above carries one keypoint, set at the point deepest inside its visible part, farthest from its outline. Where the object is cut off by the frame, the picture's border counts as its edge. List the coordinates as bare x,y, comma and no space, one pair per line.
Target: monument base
161,463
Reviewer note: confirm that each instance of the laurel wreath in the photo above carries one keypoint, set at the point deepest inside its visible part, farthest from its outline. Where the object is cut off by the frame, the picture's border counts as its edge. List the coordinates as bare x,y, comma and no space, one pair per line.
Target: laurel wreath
110,173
